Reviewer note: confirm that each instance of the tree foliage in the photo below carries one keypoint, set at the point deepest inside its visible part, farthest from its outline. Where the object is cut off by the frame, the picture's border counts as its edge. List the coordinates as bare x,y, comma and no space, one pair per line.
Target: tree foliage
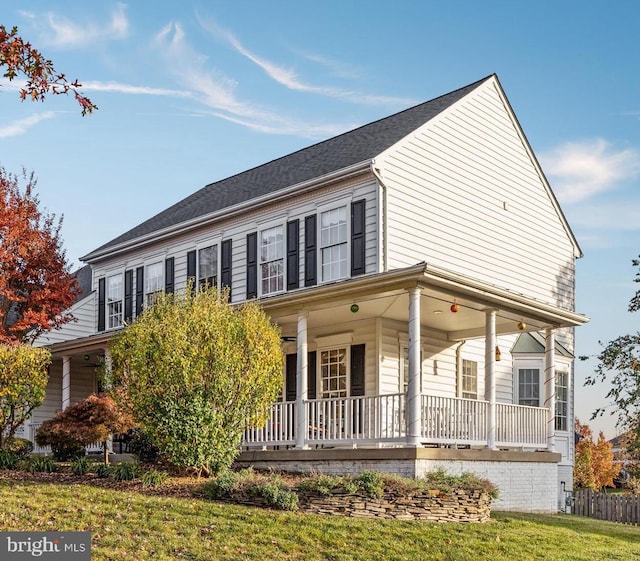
195,372
91,420
23,379
594,466
19,58
36,287
619,363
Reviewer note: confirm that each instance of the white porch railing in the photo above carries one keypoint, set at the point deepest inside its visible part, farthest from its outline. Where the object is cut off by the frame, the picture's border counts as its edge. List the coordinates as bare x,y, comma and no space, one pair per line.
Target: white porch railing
30,433
450,420
381,419
521,426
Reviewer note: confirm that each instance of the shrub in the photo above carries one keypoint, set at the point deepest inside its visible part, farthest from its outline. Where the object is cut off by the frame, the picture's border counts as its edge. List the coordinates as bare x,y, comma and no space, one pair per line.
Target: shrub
276,495
80,466
103,471
153,478
370,483
21,448
143,448
323,485
8,460
42,464
67,451
228,484
125,471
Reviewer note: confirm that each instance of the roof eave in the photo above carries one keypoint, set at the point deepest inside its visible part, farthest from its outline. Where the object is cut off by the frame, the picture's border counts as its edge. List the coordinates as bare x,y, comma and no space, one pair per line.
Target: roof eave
228,212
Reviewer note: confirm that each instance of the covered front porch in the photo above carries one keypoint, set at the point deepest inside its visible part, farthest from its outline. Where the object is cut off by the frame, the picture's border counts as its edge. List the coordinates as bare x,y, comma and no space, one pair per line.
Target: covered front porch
418,357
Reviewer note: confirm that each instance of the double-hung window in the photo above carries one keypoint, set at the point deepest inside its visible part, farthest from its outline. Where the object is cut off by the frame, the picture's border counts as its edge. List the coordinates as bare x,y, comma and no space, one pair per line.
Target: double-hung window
333,244
208,266
562,400
333,373
153,281
529,386
272,260
469,379
114,301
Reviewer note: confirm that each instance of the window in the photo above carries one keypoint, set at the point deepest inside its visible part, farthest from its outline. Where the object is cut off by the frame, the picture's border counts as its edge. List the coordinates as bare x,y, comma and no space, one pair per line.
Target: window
529,386
153,278
114,301
562,400
272,260
469,379
208,266
333,244
333,373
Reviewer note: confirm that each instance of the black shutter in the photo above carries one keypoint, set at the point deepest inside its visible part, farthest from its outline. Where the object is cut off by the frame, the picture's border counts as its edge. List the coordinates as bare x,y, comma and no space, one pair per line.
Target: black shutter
191,269
169,268
357,238
310,251
357,370
101,304
128,296
311,375
139,290
226,262
293,244
291,376
252,265
290,387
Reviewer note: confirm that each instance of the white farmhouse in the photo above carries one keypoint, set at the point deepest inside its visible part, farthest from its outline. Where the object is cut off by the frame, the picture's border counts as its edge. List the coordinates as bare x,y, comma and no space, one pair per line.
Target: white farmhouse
422,273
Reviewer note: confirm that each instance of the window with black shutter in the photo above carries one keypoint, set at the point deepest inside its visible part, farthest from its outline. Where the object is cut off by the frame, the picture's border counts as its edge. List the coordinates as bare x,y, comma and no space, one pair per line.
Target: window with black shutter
226,265
139,290
310,251
252,265
128,296
293,262
169,269
191,269
358,238
101,304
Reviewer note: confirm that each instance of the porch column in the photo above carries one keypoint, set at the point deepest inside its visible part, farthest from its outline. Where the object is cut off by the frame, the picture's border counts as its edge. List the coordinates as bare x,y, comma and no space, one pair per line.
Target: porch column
66,382
414,398
490,376
550,386
301,380
107,383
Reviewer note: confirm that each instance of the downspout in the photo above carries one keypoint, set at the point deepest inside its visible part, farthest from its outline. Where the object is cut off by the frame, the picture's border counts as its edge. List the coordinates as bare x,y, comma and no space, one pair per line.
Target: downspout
459,368
383,216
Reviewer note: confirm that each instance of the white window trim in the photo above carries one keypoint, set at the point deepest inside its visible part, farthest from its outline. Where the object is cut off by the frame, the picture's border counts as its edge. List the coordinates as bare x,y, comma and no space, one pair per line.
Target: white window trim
319,350
261,226
524,364
108,274
160,259
461,389
565,365
337,203
203,244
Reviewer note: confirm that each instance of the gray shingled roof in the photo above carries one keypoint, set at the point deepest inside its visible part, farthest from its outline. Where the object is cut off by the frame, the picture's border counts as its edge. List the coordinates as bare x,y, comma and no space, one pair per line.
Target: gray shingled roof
533,343
353,147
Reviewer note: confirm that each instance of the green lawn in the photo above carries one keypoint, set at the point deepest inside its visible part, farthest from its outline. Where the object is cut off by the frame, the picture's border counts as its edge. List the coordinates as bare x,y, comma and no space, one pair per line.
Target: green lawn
133,526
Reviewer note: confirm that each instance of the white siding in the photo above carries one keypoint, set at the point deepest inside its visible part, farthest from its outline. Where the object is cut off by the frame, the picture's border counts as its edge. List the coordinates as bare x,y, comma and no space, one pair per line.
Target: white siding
464,194
237,229
83,325
53,396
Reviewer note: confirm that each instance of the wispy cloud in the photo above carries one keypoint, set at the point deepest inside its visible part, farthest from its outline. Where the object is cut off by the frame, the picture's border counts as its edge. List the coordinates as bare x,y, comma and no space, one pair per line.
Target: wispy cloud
216,92
116,87
60,31
336,67
623,215
21,126
581,170
289,77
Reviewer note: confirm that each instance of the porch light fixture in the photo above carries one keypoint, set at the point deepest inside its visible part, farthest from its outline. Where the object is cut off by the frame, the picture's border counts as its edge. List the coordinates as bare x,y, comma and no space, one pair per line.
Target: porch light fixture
498,354
355,308
522,325
454,307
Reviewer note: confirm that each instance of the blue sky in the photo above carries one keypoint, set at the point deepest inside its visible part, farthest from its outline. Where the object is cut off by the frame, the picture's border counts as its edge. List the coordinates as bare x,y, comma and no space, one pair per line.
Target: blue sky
190,93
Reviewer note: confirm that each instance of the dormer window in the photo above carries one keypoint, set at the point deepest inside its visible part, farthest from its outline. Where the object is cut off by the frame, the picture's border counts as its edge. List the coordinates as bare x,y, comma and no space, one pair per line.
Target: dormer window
272,260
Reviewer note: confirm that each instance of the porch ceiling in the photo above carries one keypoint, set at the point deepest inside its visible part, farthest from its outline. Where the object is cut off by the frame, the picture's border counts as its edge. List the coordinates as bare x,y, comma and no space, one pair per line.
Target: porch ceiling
385,295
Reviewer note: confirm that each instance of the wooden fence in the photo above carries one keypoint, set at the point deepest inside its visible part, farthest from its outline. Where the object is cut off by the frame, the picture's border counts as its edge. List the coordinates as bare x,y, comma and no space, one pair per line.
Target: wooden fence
623,508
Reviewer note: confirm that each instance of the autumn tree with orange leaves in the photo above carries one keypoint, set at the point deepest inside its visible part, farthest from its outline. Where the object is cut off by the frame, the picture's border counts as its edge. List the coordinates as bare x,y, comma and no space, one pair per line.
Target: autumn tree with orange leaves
19,58
594,466
36,286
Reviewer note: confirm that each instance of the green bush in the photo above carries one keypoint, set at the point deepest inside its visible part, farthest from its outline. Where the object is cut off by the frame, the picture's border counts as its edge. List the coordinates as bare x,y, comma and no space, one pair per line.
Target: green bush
125,471
21,448
276,495
80,466
143,448
67,451
103,471
42,464
370,483
8,460
323,485
154,478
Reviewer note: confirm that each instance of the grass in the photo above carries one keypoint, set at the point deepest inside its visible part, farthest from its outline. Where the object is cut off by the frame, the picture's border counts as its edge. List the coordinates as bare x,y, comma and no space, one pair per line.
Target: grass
134,526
